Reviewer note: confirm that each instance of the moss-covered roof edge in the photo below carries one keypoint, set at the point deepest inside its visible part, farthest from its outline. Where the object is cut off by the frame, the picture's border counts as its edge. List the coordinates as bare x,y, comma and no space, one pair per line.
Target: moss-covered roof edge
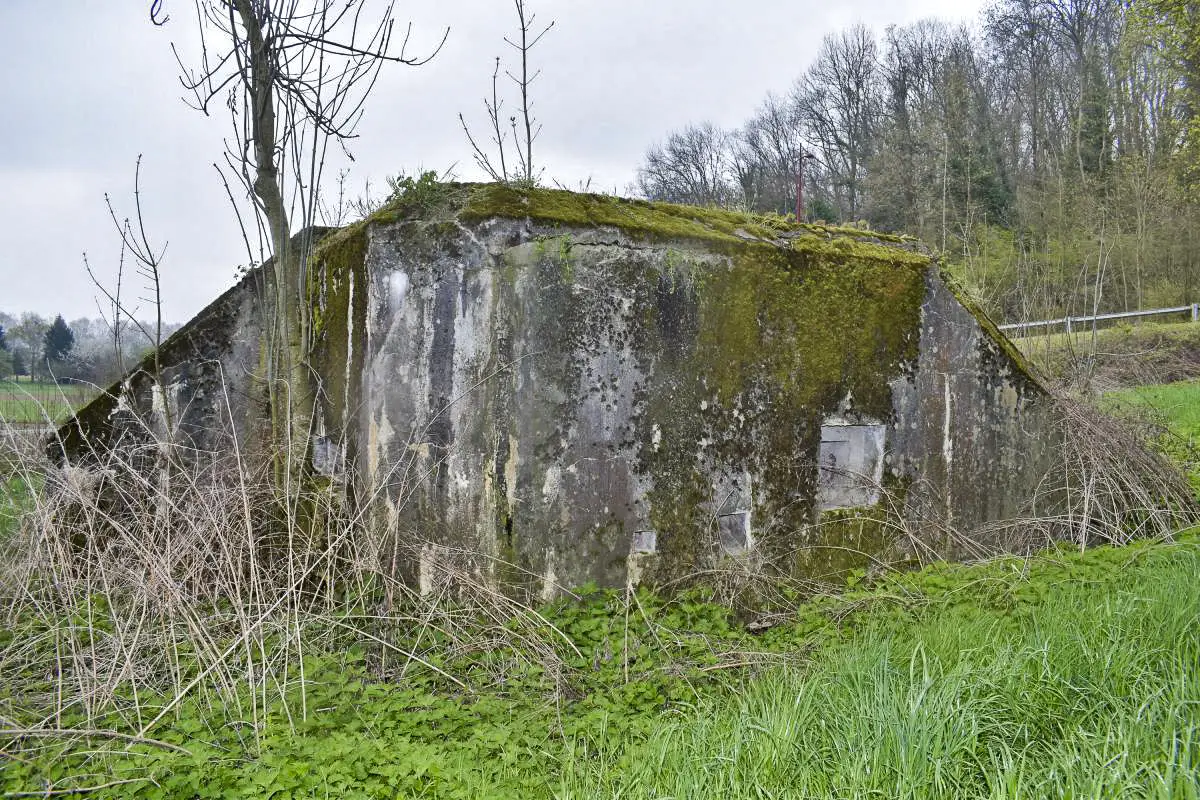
660,220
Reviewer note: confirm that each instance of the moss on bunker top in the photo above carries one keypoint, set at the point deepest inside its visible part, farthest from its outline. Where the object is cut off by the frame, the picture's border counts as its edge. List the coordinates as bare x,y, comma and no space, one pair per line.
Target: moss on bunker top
724,230
669,221
734,233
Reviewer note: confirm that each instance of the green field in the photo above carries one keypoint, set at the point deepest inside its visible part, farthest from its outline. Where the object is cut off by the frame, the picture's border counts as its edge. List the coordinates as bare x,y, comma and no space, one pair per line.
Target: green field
28,402
1174,406
1074,683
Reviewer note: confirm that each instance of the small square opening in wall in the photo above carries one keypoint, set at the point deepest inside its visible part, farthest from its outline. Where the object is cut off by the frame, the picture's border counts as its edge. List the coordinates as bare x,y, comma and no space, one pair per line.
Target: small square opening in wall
733,533
850,465
326,456
644,542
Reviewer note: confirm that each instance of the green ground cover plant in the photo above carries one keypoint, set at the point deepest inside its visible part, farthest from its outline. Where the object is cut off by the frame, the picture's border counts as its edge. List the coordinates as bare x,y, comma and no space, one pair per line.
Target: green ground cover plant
1079,679
1068,674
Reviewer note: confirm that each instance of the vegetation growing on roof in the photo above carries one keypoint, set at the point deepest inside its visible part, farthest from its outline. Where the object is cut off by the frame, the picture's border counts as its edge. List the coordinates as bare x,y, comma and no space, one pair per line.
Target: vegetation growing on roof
657,221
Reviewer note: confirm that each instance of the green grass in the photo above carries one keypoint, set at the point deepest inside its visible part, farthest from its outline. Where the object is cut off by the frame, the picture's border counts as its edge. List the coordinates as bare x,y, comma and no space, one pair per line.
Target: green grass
1067,675
15,498
1176,406
1091,690
27,402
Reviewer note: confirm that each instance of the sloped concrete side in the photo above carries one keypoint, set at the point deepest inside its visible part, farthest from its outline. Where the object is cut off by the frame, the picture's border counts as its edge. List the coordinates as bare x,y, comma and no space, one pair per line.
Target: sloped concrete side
204,395
974,434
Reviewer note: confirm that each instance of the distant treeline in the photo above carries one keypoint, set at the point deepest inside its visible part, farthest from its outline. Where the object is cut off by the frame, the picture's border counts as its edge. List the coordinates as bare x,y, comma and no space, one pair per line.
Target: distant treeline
1045,151
84,350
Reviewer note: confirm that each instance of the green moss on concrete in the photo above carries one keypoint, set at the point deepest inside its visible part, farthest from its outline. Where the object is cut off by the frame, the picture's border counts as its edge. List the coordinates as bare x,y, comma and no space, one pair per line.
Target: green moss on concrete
783,336
337,302
845,248
845,541
811,328
657,221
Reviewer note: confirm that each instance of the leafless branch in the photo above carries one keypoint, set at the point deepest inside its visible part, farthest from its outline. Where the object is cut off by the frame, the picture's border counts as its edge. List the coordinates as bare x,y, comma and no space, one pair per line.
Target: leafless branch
526,130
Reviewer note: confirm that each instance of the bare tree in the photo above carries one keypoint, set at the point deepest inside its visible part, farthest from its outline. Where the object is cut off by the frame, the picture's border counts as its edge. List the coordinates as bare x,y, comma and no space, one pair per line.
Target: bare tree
526,128
771,139
692,166
294,77
839,99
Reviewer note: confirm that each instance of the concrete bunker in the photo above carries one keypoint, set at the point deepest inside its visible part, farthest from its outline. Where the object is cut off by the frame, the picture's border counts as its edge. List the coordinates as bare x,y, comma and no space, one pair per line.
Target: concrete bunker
563,388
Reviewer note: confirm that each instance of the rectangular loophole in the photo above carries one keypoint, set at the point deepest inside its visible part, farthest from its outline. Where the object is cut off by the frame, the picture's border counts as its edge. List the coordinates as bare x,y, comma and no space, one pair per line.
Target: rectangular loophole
733,533
644,542
850,465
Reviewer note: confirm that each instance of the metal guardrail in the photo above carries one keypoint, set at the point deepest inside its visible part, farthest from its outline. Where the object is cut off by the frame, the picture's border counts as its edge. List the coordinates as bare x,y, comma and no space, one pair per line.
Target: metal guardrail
1068,322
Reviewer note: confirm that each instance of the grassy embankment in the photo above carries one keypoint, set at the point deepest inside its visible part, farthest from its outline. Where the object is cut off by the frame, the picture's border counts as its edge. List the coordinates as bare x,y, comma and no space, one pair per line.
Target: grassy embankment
1176,408
1149,372
1119,355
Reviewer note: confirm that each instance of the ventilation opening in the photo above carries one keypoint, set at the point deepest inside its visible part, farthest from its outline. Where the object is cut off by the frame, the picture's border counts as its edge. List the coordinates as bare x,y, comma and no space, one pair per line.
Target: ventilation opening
644,542
508,532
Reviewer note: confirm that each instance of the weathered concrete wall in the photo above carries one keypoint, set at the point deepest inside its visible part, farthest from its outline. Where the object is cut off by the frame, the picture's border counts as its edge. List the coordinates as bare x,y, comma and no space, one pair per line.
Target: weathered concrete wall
550,389
971,427
555,397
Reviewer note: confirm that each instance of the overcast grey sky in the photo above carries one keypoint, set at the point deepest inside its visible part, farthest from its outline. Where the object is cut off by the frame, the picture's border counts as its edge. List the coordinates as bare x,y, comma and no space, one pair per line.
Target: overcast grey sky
87,85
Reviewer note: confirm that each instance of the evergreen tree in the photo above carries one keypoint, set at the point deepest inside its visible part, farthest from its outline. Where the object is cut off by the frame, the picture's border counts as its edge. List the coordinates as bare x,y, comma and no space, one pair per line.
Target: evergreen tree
58,343
8,366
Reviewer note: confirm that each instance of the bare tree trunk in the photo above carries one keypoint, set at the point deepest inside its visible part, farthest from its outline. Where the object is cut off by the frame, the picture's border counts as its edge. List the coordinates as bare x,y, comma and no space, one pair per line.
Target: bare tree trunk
290,399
